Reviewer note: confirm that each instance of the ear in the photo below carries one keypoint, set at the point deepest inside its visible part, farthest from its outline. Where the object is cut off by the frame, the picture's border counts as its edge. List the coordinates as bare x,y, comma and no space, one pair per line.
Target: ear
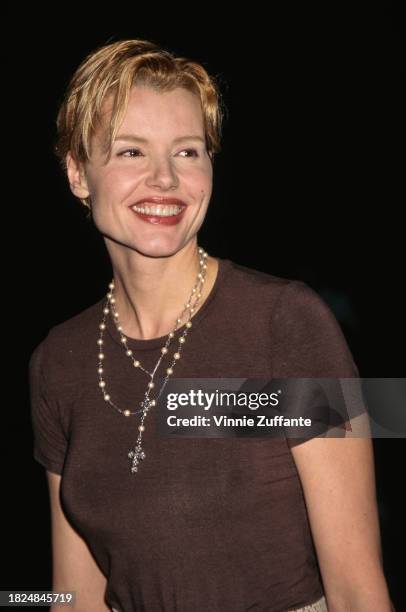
77,177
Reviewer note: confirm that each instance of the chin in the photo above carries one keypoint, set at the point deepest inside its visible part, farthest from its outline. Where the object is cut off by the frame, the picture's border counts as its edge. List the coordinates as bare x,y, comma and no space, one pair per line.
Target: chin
152,244
159,247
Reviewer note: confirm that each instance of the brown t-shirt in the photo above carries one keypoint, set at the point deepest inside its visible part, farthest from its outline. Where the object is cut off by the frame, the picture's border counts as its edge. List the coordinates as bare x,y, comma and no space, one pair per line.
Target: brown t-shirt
207,523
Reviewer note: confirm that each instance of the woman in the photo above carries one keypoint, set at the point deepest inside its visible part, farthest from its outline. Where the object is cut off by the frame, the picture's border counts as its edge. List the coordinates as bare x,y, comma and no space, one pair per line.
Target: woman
142,522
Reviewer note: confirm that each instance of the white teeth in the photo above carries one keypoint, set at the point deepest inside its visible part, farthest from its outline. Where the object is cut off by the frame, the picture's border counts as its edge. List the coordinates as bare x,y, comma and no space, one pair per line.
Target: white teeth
158,210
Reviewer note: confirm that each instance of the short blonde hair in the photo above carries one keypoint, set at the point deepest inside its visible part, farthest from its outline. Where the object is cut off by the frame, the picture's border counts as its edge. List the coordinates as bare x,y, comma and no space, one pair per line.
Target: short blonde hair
113,69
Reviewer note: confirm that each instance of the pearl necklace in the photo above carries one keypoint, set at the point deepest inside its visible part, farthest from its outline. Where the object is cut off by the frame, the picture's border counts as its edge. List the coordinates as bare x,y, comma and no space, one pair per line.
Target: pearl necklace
137,453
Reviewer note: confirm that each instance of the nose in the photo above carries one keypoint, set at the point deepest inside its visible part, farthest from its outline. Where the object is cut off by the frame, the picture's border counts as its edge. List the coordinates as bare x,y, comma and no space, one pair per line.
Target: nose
162,175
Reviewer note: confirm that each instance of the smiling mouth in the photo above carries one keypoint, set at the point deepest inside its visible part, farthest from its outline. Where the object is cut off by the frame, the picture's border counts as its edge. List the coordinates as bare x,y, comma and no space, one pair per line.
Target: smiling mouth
159,214
158,210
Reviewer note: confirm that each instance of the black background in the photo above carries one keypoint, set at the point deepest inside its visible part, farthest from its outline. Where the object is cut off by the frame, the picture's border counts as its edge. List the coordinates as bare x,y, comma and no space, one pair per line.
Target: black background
309,185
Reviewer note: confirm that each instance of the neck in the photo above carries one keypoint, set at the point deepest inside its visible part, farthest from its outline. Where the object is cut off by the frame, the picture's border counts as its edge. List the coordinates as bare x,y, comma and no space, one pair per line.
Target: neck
151,292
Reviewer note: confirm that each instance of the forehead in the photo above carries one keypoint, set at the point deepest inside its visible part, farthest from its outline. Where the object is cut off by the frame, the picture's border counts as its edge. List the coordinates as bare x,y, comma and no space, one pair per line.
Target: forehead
152,112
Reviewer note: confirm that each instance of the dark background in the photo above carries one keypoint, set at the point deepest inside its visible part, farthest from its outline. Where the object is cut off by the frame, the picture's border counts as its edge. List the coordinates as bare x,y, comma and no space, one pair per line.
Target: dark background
309,185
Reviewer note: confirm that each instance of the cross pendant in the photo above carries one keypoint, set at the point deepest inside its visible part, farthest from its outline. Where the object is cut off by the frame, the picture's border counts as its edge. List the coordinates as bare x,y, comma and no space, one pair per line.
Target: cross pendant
136,455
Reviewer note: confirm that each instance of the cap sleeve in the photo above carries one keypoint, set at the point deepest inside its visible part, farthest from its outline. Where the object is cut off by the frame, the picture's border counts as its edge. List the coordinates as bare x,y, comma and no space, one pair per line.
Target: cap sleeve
307,338
309,344
49,440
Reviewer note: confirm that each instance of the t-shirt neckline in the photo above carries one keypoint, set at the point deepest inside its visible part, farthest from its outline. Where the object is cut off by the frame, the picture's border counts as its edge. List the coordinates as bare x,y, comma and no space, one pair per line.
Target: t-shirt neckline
152,343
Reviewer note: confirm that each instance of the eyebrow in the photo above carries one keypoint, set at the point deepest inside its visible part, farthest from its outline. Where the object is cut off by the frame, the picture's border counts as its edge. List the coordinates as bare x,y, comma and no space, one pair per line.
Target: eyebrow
135,138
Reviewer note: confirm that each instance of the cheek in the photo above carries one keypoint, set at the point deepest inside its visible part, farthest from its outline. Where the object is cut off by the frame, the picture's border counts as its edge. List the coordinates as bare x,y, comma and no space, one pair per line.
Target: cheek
201,176
203,183
111,189
206,191
117,181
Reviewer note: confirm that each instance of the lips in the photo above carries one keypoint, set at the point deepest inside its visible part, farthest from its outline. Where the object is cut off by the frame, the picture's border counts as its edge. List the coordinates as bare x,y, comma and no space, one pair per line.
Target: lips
160,200
158,219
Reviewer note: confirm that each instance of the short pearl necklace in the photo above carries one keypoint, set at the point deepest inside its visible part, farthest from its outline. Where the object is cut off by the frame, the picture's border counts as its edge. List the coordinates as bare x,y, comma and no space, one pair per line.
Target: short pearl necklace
137,452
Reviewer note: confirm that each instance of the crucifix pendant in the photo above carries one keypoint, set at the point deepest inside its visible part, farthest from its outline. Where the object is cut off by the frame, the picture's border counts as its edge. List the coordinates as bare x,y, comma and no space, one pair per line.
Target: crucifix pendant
136,455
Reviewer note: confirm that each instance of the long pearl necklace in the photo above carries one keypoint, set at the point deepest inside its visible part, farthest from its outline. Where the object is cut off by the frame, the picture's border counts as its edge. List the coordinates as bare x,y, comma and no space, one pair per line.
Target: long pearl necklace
137,453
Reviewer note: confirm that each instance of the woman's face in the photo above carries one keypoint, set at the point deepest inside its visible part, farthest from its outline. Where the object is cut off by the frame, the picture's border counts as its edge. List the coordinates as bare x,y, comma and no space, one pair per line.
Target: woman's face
149,159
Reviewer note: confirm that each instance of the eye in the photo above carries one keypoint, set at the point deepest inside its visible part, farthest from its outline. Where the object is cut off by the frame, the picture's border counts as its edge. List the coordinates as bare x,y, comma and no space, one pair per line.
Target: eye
193,151
128,151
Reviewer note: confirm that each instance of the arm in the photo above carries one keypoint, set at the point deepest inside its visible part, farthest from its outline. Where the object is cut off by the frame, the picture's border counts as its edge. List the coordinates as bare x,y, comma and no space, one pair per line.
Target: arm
74,568
338,480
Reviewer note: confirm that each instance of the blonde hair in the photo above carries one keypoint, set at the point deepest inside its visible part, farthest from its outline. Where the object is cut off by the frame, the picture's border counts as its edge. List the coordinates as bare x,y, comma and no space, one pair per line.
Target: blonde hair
113,69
